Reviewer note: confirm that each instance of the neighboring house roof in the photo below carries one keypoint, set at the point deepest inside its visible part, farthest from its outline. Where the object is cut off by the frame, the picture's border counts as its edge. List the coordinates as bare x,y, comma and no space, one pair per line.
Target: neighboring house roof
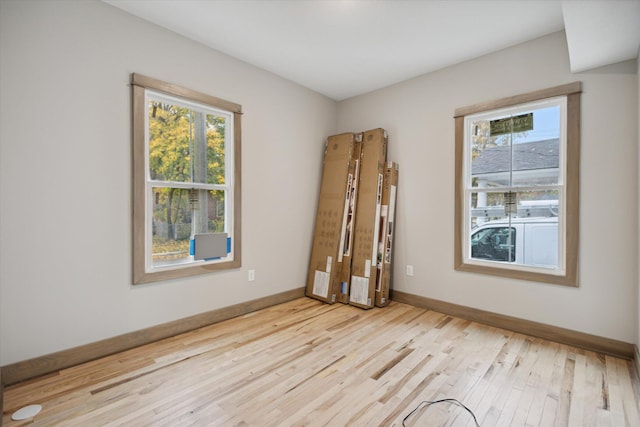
526,156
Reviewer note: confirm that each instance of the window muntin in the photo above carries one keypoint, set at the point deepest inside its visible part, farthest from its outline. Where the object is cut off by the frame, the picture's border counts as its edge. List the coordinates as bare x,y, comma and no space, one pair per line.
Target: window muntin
186,179
532,163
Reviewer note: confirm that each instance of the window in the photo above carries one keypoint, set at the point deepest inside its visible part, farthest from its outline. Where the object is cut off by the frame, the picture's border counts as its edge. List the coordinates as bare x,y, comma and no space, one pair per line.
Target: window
517,181
186,167
494,243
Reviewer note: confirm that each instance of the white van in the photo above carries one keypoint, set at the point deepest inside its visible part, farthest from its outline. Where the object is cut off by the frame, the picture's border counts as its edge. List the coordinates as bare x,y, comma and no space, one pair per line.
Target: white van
532,242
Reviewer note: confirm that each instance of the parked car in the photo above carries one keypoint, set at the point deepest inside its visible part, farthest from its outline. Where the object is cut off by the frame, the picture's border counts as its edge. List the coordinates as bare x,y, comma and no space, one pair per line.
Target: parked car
531,241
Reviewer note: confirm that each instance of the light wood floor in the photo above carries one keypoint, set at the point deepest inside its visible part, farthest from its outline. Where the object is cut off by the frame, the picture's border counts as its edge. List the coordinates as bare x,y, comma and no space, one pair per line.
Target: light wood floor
309,363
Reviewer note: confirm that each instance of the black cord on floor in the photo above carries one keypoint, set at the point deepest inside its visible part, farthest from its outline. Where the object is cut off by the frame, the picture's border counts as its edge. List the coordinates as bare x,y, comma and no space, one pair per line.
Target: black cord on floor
431,402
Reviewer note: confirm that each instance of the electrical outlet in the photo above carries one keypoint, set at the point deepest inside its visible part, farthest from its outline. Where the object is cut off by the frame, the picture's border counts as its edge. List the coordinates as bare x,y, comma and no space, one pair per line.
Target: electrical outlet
252,275
409,270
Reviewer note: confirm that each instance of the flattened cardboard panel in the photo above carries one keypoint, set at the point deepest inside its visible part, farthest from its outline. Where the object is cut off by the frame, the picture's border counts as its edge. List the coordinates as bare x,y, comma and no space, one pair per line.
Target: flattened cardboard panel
369,202
349,219
329,218
383,219
385,246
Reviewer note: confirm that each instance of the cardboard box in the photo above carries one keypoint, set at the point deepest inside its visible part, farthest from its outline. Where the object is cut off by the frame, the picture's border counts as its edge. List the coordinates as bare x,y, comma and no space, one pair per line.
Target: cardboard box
387,228
348,223
322,277
368,206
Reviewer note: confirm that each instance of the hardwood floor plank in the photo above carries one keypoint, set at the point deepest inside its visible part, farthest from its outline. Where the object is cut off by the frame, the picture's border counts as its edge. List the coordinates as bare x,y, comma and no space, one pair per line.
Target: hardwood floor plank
305,363
538,382
499,378
629,399
578,395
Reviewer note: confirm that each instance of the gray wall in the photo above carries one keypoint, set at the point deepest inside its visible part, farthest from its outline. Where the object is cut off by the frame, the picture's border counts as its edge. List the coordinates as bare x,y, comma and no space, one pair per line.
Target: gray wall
419,117
65,151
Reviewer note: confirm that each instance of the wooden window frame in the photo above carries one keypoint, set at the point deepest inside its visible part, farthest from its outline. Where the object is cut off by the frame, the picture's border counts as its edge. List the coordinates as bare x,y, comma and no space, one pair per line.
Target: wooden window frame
572,93
140,84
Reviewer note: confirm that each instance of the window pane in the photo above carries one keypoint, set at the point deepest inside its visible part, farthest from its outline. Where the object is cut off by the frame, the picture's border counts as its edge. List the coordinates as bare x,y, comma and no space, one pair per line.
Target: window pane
533,239
536,163
178,214
489,206
489,156
541,203
216,127
185,145
496,243
486,206
517,150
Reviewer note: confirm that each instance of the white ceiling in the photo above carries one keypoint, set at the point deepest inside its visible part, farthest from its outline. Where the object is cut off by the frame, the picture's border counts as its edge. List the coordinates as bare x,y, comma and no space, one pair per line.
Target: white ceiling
344,48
